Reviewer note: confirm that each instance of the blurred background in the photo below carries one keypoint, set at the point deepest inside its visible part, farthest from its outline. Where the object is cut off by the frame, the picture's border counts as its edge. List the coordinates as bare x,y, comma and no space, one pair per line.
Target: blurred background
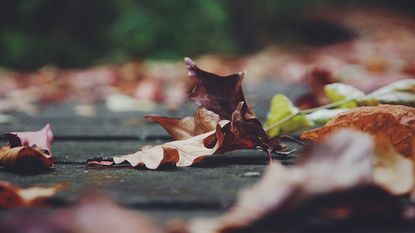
80,33
129,54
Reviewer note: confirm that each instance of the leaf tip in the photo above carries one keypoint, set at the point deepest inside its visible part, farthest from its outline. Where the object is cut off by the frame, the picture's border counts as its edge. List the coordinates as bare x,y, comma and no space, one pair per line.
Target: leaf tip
189,62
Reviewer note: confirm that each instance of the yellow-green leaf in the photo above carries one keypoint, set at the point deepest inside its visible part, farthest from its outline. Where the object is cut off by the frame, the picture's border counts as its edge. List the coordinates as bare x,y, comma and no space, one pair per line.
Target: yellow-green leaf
281,108
339,91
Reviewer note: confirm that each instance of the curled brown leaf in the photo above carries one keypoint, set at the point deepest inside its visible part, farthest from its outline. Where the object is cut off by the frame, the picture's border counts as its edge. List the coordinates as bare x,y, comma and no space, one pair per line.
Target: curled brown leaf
219,94
28,149
396,122
182,152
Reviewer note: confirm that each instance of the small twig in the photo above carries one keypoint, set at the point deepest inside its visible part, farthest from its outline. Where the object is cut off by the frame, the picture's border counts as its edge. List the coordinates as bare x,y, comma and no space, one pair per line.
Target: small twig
292,139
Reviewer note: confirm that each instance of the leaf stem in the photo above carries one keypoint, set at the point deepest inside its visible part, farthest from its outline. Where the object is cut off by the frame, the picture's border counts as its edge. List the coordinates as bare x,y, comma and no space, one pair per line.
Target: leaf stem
283,120
289,117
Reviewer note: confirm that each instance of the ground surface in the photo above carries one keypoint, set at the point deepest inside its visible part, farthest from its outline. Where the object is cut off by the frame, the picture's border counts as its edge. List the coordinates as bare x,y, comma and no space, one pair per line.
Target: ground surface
205,189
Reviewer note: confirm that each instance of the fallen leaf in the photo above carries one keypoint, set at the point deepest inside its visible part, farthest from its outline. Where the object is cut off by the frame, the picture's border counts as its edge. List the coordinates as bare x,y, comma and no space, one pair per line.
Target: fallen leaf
202,122
224,96
25,157
243,133
322,116
339,91
333,180
42,138
219,94
12,196
28,149
399,92
220,125
182,152
280,108
395,121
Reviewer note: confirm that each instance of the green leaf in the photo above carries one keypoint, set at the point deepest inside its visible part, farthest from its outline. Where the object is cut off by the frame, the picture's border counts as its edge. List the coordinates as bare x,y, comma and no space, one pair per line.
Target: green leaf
321,116
282,109
400,92
339,91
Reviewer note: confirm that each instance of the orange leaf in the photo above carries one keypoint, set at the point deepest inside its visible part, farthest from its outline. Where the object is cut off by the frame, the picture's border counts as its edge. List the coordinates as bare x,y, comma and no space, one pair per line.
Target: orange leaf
396,122
24,156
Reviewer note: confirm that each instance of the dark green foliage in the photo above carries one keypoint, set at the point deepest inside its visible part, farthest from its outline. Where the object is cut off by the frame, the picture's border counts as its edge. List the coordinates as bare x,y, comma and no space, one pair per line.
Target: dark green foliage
79,33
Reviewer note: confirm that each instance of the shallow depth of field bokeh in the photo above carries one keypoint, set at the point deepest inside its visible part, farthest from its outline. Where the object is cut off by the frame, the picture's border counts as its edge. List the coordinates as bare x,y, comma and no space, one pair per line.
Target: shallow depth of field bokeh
73,34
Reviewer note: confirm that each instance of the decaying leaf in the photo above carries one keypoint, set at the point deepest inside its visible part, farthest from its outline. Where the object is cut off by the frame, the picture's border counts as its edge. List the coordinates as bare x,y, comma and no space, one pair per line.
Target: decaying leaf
12,196
182,153
395,121
28,149
202,122
223,122
334,180
218,94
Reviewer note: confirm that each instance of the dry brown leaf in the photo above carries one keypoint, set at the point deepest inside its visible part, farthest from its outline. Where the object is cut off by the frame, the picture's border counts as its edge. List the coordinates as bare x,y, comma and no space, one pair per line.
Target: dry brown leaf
183,128
182,152
395,121
28,149
12,196
333,180
25,157
219,94
220,98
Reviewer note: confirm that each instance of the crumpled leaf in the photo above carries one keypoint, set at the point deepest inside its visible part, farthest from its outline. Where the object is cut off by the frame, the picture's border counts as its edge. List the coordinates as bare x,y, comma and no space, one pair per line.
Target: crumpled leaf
182,152
28,149
221,124
25,157
224,96
340,91
240,133
397,122
219,94
12,196
333,180
280,108
202,122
